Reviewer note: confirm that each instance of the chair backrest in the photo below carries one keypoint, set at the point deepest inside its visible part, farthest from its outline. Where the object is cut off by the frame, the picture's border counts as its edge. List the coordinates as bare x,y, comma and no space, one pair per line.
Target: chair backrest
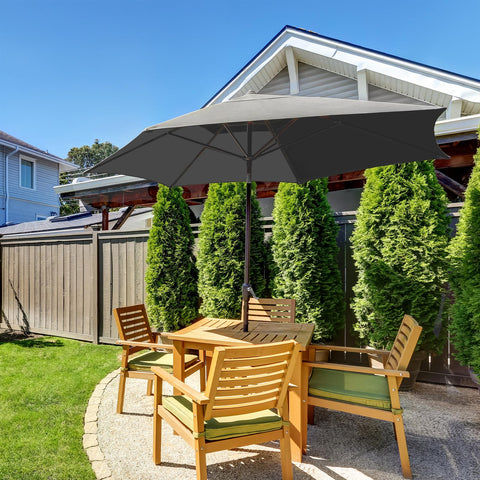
132,324
271,309
404,344
249,379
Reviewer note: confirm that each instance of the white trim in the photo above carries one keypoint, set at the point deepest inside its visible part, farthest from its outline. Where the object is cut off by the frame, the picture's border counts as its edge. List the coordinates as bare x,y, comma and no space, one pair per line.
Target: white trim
292,66
64,165
428,79
457,125
362,83
34,172
97,183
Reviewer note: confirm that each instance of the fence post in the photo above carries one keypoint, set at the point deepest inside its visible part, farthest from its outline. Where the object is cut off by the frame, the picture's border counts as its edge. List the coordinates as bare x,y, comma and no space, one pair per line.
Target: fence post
95,285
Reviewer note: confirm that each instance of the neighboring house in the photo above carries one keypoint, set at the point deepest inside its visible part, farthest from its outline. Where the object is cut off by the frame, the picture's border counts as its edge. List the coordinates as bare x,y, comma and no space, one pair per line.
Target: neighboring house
27,178
139,219
300,62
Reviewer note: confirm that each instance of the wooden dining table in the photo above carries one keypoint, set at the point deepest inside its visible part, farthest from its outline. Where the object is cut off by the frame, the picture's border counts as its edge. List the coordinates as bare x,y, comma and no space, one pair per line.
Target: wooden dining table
207,333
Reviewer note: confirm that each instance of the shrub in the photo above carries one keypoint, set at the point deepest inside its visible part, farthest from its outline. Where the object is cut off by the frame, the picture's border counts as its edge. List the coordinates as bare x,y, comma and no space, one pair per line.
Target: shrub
171,277
399,248
221,250
465,276
305,255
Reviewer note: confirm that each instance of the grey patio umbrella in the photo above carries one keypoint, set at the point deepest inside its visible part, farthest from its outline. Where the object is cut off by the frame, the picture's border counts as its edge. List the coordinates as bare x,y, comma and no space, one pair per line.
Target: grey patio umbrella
277,138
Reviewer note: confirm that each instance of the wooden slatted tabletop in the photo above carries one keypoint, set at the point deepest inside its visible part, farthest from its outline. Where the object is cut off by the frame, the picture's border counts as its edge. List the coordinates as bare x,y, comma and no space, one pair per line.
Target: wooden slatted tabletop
217,331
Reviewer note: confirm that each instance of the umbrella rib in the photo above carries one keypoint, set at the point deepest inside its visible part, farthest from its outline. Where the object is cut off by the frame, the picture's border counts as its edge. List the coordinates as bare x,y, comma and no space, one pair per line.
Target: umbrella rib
206,145
239,145
274,136
196,156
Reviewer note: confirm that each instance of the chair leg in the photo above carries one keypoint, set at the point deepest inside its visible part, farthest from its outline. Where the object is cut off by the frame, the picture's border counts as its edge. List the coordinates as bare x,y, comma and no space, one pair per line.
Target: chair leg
402,446
121,391
157,437
200,459
149,387
285,454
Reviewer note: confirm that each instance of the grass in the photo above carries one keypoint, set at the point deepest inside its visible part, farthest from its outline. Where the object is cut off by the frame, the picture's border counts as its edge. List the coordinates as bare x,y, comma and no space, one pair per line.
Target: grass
45,385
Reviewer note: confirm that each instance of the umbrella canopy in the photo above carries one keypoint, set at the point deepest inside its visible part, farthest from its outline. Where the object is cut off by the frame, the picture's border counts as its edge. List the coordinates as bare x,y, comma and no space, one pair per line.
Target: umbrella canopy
292,139
277,138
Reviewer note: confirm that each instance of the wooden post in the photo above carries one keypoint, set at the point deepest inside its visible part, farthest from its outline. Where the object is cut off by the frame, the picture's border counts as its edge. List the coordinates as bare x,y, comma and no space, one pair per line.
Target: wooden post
95,284
104,217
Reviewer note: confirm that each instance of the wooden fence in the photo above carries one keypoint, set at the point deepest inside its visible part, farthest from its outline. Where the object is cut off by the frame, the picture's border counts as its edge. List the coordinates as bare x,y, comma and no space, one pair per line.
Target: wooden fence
67,284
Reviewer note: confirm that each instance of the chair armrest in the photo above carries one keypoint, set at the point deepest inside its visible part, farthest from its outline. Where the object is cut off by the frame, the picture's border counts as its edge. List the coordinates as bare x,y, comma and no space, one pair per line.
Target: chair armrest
197,397
151,346
339,348
358,369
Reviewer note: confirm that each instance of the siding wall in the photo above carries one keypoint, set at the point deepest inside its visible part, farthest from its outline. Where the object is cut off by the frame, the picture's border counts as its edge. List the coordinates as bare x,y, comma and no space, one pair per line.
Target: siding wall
25,204
316,82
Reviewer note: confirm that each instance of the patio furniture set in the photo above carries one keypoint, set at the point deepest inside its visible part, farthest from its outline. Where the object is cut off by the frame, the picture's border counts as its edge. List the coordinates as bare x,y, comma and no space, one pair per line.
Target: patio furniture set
257,385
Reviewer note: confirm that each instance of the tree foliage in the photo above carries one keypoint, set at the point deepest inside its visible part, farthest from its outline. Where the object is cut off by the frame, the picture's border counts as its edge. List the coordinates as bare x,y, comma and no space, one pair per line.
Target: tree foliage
465,275
399,247
171,277
305,255
221,251
86,157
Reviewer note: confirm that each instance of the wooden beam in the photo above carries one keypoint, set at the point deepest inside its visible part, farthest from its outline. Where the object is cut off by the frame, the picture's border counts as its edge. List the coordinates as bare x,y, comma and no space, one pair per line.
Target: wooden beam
450,184
362,84
126,214
292,66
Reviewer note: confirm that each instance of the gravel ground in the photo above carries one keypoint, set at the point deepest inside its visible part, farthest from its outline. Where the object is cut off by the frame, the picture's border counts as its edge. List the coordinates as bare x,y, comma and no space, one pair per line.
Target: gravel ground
442,425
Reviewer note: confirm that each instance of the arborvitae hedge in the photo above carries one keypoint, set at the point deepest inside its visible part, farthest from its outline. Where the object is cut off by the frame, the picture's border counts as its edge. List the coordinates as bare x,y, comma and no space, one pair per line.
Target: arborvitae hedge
221,250
171,277
399,247
305,255
465,275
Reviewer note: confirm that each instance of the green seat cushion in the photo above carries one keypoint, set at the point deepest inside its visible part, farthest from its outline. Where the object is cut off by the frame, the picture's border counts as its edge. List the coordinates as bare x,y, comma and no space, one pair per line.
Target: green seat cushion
146,360
224,427
351,387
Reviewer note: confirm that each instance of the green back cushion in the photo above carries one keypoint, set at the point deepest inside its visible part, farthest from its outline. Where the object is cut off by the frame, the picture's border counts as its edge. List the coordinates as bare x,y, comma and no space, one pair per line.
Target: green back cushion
358,388
150,359
224,427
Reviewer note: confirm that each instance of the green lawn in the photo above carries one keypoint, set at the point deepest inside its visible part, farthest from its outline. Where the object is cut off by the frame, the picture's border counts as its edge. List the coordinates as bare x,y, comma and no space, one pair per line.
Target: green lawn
45,385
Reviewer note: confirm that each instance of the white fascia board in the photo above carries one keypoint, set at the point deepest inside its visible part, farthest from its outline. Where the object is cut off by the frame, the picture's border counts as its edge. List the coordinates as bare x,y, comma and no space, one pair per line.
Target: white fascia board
453,126
403,70
64,165
97,183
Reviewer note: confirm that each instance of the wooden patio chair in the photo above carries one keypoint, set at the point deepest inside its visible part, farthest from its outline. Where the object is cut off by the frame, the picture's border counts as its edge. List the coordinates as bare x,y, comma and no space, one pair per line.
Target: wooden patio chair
136,336
271,309
244,385
370,392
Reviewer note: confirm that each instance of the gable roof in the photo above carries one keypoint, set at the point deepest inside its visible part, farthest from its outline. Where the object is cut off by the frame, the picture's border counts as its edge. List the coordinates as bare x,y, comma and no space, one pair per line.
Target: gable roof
13,142
301,62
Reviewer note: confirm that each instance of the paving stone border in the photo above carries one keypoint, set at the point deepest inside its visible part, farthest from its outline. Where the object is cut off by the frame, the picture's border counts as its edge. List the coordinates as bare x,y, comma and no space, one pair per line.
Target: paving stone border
90,427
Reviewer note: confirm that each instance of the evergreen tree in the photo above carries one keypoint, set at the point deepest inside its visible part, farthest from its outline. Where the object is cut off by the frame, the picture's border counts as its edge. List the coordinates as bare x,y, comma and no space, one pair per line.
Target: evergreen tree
221,250
399,247
465,275
305,255
171,277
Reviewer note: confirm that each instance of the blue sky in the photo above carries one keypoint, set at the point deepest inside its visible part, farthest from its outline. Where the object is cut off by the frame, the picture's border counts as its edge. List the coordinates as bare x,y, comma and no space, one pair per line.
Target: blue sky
73,71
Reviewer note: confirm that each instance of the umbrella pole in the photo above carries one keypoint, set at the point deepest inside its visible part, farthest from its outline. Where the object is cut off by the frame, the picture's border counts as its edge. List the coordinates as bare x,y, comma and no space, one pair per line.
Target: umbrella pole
246,288
246,279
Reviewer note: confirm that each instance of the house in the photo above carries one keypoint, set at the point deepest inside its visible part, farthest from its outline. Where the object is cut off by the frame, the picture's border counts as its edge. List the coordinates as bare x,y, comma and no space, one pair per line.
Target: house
139,219
27,178
300,62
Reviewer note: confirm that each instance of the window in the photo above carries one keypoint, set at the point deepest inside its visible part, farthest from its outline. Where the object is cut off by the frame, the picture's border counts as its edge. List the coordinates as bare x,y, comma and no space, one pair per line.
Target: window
27,168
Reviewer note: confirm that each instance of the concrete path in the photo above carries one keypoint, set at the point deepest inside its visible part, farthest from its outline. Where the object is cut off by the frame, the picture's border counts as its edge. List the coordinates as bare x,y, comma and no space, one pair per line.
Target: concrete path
442,426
